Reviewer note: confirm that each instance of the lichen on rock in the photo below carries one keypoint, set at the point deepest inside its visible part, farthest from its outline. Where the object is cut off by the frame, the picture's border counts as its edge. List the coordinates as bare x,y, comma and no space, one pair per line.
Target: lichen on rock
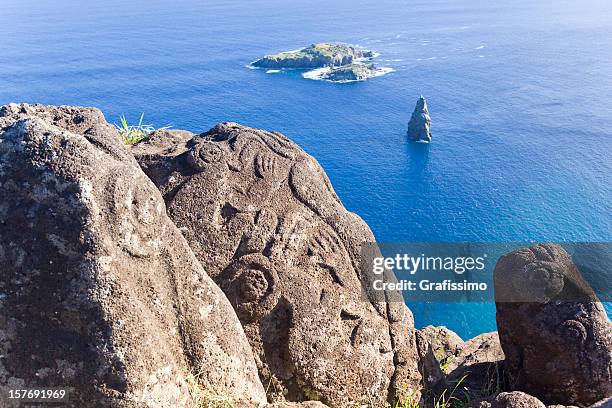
100,291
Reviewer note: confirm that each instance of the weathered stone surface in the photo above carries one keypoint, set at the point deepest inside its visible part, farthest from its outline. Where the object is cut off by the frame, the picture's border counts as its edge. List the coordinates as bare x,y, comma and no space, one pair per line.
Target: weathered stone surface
515,399
99,291
563,406
480,361
263,219
446,359
419,126
605,403
437,347
556,349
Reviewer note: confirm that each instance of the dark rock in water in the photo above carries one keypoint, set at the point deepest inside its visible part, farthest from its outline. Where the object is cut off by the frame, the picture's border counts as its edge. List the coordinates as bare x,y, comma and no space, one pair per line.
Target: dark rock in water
99,291
555,333
264,220
353,72
314,56
419,126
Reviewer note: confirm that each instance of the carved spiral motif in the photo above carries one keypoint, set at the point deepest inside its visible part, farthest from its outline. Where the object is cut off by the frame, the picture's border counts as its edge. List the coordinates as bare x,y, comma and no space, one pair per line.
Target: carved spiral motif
250,283
205,154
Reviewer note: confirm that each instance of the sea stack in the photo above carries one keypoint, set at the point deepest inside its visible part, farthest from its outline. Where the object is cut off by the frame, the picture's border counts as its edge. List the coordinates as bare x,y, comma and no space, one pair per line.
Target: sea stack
419,127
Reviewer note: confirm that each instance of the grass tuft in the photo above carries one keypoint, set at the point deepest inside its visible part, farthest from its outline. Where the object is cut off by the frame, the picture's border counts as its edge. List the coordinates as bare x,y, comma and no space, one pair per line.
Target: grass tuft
410,402
131,134
452,400
203,398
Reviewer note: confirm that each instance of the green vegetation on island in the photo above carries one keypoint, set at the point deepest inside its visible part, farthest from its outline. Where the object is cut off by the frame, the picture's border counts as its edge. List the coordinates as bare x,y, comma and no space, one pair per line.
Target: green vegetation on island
315,56
353,72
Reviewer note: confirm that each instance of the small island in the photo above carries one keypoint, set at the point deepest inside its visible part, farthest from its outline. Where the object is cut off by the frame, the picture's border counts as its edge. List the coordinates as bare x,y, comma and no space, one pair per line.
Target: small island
347,73
419,126
325,62
315,56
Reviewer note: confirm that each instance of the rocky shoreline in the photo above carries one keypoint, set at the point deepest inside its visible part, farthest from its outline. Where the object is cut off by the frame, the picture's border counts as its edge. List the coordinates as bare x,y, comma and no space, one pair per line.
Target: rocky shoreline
194,268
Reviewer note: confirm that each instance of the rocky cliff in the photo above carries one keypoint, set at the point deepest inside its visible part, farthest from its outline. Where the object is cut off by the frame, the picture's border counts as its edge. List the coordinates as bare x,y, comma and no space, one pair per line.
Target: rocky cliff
225,272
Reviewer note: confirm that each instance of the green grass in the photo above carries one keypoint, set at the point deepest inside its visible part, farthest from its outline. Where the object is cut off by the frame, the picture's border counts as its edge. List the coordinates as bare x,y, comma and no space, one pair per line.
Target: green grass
131,134
410,402
494,382
452,399
323,49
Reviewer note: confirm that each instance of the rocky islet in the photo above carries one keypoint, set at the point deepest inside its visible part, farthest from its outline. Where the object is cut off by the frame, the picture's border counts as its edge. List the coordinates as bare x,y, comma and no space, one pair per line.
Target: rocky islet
330,62
419,126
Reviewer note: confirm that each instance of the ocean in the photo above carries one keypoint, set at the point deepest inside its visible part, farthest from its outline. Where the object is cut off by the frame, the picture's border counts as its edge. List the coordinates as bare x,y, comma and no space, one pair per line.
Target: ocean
518,91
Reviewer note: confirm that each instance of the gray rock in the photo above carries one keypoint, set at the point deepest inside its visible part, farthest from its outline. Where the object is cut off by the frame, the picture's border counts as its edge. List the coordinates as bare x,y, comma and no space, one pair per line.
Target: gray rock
557,349
563,406
314,56
419,126
446,360
263,218
99,291
480,362
352,72
515,399
438,347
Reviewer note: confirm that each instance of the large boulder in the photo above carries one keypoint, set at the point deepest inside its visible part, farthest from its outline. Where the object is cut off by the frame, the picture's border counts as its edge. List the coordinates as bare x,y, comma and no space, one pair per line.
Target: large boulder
554,332
99,291
264,220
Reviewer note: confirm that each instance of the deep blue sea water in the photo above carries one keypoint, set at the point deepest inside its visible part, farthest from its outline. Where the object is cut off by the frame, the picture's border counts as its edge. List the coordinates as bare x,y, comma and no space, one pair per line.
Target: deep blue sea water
519,92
